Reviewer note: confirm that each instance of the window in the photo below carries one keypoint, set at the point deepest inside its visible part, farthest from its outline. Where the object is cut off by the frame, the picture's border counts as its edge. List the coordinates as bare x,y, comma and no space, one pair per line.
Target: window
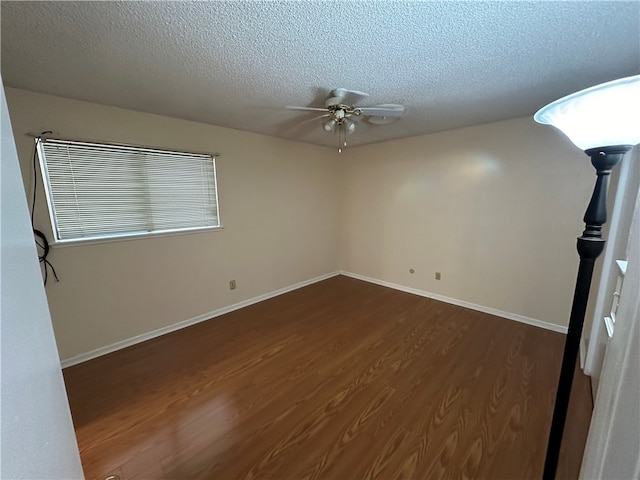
100,191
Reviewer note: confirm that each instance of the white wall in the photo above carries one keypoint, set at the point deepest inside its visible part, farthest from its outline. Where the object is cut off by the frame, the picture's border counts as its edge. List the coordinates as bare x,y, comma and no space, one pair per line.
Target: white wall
496,208
37,437
278,204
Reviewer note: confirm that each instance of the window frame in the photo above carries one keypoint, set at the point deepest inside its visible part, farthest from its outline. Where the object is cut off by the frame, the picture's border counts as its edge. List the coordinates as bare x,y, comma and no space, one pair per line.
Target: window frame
126,236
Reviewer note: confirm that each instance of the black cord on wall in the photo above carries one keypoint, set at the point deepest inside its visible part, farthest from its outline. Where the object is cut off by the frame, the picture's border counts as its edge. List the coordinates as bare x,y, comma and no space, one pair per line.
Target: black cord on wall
41,239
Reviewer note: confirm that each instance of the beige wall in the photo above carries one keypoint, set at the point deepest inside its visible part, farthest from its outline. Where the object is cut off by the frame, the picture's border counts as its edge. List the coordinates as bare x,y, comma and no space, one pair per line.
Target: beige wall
496,208
278,204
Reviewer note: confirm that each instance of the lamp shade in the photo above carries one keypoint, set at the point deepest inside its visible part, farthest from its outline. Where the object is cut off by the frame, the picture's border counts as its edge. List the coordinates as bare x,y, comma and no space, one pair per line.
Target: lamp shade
602,116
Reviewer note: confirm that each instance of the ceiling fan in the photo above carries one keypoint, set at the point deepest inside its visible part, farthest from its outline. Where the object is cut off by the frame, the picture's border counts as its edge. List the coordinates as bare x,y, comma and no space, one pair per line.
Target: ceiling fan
341,112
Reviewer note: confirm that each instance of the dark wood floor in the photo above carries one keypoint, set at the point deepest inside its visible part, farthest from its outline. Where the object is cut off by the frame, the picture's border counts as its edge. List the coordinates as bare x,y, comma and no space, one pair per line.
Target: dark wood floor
342,380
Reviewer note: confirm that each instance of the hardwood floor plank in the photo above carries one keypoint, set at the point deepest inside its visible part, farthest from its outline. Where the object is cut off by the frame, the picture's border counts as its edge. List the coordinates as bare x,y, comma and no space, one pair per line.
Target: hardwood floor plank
341,379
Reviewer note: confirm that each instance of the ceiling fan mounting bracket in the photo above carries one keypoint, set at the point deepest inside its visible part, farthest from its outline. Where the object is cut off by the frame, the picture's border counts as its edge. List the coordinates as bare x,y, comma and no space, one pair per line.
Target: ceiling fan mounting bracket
340,112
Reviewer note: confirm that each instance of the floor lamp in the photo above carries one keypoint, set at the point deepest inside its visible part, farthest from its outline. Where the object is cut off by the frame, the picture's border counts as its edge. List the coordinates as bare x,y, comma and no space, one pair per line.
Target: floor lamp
604,121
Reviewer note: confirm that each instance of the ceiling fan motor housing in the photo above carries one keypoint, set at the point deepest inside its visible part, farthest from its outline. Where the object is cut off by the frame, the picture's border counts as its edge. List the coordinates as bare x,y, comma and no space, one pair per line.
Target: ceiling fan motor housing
333,101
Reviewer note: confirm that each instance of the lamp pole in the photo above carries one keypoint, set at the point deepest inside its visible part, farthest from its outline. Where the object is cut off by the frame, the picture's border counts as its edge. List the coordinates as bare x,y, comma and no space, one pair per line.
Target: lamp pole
590,245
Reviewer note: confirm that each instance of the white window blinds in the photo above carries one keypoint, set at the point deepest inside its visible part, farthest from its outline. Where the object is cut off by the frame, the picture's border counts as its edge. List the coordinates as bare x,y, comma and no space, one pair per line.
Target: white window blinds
98,191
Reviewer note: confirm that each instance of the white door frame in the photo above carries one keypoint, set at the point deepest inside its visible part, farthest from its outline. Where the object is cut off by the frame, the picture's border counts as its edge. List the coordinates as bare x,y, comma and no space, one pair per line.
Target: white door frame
37,439
628,185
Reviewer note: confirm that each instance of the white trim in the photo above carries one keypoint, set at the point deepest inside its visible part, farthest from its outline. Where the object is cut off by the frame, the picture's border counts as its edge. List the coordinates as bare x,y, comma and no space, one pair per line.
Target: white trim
461,303
622,266
131,236
583,352
98,352
609,322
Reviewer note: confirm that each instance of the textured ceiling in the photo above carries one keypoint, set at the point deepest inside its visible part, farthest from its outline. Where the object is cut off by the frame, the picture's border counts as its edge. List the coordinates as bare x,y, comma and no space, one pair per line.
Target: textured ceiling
238,64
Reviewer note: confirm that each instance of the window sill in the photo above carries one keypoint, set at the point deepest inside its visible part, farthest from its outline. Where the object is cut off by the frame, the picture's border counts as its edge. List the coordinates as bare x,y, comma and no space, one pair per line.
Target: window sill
128,238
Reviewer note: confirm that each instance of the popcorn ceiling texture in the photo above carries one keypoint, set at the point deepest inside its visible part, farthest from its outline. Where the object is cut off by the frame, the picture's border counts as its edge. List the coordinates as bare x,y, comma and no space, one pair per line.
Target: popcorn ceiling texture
237,64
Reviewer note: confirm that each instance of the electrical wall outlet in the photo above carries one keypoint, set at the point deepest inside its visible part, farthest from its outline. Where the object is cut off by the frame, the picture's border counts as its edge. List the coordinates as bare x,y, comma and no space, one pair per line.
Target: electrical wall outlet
232,285
437,275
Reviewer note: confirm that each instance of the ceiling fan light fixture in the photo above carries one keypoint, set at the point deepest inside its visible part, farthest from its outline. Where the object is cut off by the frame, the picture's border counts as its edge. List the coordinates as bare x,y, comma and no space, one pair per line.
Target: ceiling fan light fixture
349,125
329,125
341,113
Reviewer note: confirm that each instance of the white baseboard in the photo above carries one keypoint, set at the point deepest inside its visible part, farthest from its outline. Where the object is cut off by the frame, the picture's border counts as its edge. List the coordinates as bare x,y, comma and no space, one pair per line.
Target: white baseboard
98,352
461,303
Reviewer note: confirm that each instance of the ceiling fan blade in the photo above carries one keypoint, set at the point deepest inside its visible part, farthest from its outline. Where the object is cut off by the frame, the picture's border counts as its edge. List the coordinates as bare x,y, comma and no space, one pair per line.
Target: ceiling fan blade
306,109
310,120
383,111
347,97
